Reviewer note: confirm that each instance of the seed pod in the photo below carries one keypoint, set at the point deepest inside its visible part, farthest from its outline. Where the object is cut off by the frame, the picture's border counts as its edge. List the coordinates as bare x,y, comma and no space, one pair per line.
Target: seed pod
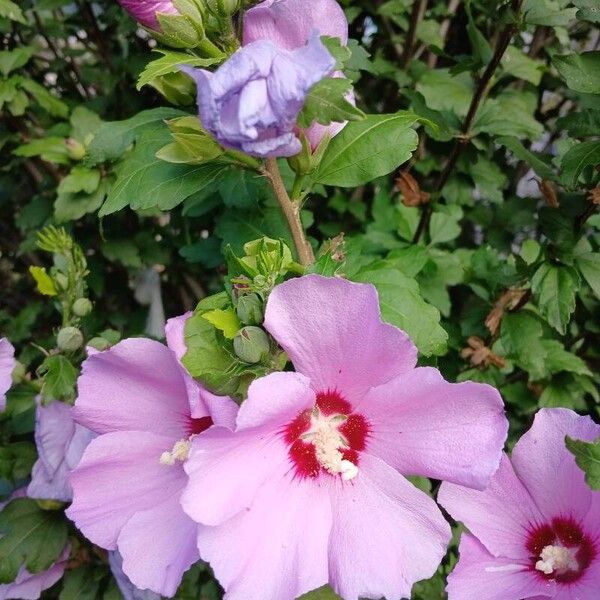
250,309
69,339
82,307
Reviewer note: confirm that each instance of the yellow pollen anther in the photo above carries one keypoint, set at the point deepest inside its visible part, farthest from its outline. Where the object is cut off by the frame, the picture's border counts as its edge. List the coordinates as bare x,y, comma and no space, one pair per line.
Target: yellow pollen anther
180,451
556,558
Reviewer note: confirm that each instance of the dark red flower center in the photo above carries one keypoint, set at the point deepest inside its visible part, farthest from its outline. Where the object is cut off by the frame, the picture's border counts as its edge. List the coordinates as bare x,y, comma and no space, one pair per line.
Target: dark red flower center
560,550
196,426
327,439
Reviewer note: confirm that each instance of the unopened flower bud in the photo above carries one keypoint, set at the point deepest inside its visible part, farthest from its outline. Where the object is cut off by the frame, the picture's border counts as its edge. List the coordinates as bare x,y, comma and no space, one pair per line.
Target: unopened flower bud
75,149
69,339
82,307
18,372
251,344
61,281
250,309
223,8
99,343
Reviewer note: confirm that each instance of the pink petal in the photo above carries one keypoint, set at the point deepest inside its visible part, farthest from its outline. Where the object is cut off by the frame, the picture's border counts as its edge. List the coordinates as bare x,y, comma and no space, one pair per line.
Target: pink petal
332,331
289,23
119,475
277,549
158,546
481,576
227,469
135,385
275,400
222,409
7,365
548,469
423,425
500,516
386,534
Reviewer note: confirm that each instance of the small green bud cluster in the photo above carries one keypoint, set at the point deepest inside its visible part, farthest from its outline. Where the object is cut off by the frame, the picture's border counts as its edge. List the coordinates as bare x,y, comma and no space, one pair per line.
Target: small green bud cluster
251,344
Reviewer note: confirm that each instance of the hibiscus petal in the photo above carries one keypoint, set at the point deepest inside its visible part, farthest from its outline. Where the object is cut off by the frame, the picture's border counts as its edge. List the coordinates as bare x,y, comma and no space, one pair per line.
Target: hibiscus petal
129,591
542,461
423,425
145,11
278,547
135,385
158,546
480,575
7,364
585,588
337,339
119,475
227,469
386,534
500,516
289,23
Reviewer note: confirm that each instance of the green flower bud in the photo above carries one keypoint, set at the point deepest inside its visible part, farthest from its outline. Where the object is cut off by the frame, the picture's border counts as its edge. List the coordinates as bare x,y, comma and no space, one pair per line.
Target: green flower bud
75,149
18,373
223,8
82,307
250,309
61,281
69,339
251,344
99,343
302,163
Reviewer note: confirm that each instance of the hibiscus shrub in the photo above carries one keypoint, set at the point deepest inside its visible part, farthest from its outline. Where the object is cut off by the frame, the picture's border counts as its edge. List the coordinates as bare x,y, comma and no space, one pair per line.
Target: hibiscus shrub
283,279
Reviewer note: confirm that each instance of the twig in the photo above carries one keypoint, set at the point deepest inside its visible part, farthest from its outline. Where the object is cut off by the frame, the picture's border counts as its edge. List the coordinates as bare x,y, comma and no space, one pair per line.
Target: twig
444,28
291,211
418,10
480,92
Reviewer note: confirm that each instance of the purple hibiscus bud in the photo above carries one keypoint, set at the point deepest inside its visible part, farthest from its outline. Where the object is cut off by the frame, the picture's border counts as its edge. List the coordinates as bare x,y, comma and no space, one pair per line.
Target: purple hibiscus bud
251,103
129,591
7,364
289,24
28,586
145,11
60,444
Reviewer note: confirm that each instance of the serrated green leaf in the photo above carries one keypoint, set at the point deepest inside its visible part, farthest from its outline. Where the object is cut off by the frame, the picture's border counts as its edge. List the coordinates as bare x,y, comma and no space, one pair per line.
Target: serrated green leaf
516,63
30,537
225,320
367,149
541,168
585,123
589,265
10,60
170,63
577,159
59,378
50,103
554,288
326,102
587,457
50,148
43,281
580,71
10,10
521,333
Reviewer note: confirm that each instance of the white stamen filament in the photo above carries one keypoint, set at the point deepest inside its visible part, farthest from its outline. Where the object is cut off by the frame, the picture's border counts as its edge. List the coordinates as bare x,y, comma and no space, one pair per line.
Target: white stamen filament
556,558
327,440
180,451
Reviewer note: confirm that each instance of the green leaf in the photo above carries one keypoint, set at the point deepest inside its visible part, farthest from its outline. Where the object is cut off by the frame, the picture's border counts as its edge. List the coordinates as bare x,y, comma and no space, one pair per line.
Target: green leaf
10,10
444,92
557,359
225,320
44,282
340,53
16,461
114,137
403,306
554,288
206,357
589,10
326,103
59,378
50,148
73,206
323,593
521,333
45,99
530,251
368,149
587,457
145,181
30,537
589,265
541,168
575,161
170,63
580,71
192,145
585,123
516,63
80,179
550,13
80,584
123,251
10,60
444,224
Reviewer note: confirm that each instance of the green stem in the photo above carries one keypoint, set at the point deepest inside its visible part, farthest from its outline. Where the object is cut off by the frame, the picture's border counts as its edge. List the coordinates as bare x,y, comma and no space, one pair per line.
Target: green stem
297,187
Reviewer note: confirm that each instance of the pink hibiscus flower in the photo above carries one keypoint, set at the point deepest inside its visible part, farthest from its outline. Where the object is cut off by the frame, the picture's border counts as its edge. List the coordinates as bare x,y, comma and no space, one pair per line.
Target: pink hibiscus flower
307,490
126,488
535,531
7,364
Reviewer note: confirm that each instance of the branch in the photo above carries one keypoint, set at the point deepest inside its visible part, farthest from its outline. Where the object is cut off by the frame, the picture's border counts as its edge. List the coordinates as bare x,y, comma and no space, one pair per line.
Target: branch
291,211
480,92
418,10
